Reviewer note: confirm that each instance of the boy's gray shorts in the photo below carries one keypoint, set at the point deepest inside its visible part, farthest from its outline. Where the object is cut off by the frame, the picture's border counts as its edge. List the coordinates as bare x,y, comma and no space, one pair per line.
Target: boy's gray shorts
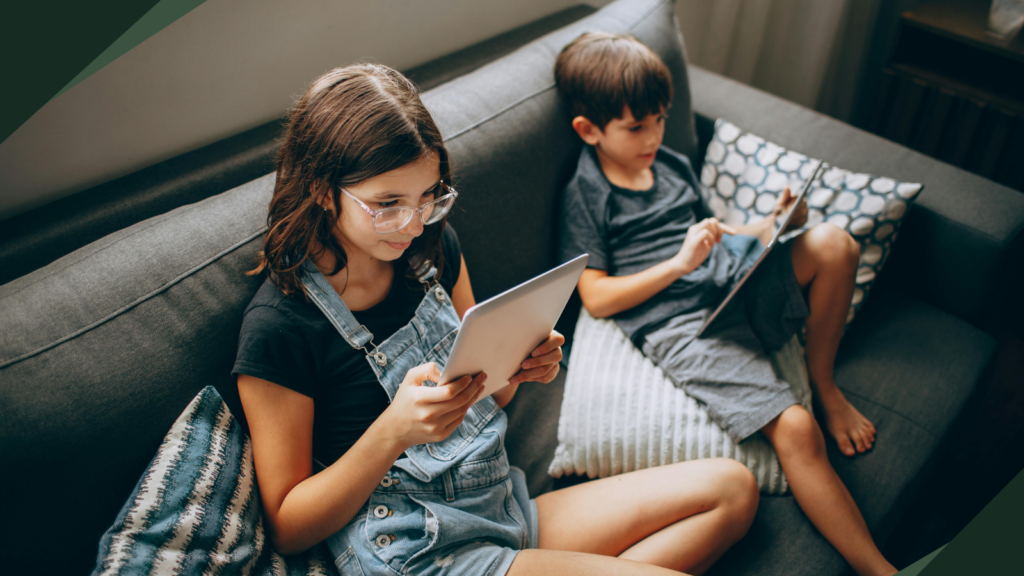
727,368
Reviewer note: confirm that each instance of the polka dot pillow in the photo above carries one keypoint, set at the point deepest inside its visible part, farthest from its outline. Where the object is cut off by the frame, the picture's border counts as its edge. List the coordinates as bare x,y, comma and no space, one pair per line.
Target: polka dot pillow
744,174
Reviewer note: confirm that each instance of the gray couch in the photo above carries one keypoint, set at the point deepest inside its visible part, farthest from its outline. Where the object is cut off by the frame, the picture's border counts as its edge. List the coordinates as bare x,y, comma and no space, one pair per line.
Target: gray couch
103,348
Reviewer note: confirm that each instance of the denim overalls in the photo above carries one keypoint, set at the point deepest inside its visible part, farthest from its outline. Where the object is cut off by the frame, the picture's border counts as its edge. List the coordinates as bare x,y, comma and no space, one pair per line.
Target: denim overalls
450,507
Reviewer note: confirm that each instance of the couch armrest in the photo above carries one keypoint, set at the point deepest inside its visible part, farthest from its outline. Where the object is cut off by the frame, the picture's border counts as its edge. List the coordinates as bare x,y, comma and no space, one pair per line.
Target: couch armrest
961,246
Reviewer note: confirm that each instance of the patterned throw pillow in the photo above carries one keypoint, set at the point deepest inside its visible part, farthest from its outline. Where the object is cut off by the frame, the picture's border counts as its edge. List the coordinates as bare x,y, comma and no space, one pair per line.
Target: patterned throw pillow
196,509
743,174
621,413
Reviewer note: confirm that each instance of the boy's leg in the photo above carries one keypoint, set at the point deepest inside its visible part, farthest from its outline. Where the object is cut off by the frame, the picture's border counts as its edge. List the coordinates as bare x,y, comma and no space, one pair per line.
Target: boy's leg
819,491
681,516
825,260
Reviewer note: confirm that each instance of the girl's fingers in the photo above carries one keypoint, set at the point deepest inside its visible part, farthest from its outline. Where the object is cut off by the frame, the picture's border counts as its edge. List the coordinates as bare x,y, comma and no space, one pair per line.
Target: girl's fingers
728,229
447,392
419,374
452,424
465,397
550,358
530,375
546,373
552,373
554,340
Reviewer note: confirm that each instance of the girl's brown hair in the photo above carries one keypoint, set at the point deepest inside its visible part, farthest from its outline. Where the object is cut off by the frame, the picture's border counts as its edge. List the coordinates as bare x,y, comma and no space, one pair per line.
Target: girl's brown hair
353,123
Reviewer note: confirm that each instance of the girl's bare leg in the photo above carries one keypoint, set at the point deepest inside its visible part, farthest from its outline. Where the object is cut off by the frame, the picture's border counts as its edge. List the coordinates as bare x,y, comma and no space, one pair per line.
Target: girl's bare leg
820,493
682,517
539,562
825,260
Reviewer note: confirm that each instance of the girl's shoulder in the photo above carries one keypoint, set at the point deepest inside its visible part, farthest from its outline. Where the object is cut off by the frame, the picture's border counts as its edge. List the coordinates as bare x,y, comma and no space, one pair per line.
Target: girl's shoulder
271,310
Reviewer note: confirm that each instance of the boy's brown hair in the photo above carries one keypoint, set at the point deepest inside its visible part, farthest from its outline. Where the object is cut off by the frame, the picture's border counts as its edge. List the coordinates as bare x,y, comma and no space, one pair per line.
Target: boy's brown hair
599,74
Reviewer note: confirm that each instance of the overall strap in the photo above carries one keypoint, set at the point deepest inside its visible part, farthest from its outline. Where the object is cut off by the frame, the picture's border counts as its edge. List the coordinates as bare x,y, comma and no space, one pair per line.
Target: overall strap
327,300
425,272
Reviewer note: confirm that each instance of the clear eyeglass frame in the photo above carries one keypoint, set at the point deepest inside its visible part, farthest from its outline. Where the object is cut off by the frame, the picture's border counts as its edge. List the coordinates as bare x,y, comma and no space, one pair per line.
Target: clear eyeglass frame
394,218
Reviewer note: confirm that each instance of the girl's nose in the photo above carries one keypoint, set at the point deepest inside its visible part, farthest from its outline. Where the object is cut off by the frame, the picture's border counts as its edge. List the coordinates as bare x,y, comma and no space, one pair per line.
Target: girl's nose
413,228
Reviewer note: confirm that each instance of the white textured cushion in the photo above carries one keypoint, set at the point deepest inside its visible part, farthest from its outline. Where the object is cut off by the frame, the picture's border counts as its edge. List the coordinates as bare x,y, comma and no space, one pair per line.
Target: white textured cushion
620,413
743,174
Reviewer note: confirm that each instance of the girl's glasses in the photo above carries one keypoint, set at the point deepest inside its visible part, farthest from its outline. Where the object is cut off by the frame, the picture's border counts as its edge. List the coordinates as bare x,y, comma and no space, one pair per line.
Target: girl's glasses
393,219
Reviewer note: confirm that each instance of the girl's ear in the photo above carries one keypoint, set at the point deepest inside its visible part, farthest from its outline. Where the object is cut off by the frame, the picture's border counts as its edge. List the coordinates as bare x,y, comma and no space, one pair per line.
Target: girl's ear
587,130
321,191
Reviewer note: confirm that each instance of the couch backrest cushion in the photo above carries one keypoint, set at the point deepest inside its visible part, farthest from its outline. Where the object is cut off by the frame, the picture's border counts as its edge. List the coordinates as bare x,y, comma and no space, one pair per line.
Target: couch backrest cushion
99,353
101,350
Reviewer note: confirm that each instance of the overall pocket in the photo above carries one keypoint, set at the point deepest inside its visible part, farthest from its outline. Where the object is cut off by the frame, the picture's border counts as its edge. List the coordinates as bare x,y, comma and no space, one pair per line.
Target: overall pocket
399,529
348,564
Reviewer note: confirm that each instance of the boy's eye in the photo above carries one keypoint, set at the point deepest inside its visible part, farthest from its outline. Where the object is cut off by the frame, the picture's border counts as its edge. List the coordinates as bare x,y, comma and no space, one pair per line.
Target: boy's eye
636,128
387,204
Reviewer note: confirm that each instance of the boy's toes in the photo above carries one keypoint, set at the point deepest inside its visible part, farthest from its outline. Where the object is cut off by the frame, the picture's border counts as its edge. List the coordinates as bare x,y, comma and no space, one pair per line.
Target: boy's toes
845,446
858,441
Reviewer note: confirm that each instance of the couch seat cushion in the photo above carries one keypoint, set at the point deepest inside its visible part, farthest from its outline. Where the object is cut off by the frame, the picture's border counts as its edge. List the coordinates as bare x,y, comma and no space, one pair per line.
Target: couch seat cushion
911,369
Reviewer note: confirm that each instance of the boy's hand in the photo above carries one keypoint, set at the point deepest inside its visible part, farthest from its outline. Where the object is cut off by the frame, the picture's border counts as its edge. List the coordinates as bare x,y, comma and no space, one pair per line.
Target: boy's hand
783,204
700,238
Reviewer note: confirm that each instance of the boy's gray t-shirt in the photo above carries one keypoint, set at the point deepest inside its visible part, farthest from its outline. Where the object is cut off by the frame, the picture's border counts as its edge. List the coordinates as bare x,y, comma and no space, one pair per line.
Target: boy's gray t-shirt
628,231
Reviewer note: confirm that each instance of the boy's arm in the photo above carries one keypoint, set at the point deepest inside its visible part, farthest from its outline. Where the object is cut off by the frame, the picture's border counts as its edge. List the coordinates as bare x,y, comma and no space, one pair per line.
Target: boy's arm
605,295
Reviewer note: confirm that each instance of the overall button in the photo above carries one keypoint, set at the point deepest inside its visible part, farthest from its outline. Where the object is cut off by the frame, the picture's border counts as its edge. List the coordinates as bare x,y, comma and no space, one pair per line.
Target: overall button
380,511
383,541
439,294
380,358
386,482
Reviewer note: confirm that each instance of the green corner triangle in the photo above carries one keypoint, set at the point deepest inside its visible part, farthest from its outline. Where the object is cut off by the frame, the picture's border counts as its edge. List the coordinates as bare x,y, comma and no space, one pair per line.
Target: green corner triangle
159,17
54,44
991,543
915,568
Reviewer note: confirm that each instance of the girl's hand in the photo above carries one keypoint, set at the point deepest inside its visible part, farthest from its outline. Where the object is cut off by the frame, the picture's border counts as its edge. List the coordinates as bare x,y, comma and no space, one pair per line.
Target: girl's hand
700,238
783,204
422,414
542,365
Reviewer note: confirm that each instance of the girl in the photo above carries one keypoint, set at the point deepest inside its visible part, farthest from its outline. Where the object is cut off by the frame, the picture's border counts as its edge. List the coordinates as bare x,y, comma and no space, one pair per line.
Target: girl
339,351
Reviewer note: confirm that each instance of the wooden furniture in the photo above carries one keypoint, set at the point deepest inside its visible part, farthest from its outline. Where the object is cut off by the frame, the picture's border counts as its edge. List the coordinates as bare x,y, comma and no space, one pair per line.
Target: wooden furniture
954,91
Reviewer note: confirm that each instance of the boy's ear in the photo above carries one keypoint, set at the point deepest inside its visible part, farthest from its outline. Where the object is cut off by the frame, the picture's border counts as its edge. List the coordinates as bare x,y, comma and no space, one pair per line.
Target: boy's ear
587,130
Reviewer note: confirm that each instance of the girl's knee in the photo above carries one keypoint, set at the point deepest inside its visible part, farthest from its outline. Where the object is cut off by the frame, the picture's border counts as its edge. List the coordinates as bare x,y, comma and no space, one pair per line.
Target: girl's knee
738,499
738,492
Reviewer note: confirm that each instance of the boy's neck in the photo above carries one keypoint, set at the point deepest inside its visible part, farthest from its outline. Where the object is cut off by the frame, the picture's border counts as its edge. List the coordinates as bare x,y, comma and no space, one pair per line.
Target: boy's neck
623,176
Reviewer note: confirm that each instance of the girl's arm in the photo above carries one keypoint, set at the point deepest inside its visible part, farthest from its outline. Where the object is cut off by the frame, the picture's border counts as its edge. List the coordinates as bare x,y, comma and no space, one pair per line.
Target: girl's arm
541,366
303,509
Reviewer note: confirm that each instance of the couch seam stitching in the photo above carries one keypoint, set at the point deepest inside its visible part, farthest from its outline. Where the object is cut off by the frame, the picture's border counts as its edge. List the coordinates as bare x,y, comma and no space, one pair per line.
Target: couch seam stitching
891,411
101,250
536,93
135,303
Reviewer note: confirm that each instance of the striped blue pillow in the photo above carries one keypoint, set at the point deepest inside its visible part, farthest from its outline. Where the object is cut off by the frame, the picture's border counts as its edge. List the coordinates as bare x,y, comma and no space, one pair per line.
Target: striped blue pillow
196,509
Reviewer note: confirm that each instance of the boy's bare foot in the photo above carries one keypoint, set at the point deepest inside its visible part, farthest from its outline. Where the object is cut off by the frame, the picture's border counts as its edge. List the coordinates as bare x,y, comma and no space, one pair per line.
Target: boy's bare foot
853,432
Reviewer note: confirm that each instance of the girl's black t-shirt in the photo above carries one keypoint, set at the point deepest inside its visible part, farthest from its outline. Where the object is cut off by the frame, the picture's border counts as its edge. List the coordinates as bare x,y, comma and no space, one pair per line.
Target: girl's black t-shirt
289,341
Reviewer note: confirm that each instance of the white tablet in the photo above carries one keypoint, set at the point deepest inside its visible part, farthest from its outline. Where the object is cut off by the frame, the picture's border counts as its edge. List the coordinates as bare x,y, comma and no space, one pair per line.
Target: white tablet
779,230
498,334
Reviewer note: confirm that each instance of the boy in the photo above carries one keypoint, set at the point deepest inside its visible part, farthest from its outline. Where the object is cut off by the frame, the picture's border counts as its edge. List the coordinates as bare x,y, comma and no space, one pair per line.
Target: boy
660,264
